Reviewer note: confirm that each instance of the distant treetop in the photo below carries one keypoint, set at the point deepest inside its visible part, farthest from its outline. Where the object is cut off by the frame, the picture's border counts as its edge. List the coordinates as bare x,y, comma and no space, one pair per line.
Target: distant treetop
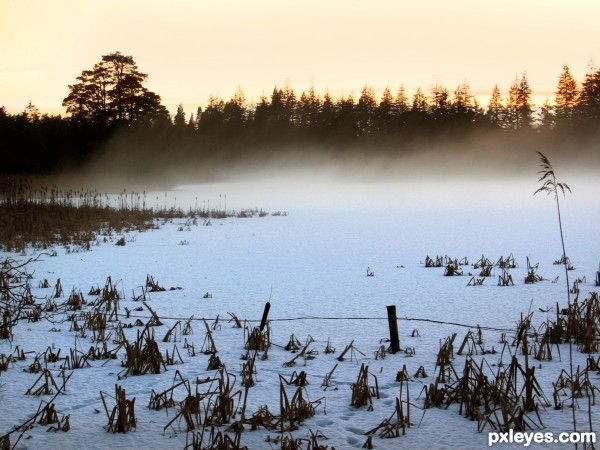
113,92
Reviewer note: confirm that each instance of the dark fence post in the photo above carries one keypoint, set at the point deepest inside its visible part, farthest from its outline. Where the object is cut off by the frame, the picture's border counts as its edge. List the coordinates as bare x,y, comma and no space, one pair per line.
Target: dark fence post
264,316
393,325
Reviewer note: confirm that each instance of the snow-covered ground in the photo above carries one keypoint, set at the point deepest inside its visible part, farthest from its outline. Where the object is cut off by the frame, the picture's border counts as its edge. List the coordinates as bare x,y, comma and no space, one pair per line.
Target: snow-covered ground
311,265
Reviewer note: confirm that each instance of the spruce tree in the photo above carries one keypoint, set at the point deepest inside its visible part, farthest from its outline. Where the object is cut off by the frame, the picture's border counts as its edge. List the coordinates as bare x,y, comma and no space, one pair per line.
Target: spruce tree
566,99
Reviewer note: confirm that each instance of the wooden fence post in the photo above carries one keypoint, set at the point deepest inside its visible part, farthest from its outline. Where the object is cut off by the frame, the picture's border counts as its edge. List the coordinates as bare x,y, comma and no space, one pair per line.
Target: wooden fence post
264,316
393,325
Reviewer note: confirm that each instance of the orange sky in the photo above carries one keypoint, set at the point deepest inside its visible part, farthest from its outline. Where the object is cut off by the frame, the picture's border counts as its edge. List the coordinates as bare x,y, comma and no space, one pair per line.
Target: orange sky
192,49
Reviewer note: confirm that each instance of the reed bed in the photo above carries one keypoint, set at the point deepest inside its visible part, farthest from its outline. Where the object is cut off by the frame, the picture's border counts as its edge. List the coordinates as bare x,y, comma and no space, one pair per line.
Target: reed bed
43,217
498,397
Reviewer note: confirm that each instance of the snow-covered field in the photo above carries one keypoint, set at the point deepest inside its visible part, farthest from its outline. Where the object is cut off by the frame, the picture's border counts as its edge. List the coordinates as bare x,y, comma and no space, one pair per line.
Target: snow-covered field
311,265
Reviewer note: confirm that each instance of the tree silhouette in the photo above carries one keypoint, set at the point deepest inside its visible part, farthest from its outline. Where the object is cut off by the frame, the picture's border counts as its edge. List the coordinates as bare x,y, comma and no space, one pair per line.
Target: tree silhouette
546,115
519,110
112,92
365,111
589,98
567,94
385,113
179,119
309,108
524,106
496,112
211,119
234,112
439,105
326,119
345,119
401,108
419,101
464,105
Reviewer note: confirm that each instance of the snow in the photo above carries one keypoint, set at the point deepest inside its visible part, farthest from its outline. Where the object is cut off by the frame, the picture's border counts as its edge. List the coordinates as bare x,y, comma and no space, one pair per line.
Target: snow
311,266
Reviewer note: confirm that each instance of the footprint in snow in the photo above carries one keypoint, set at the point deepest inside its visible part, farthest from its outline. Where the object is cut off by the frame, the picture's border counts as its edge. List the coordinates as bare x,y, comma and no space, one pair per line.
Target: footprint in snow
323,422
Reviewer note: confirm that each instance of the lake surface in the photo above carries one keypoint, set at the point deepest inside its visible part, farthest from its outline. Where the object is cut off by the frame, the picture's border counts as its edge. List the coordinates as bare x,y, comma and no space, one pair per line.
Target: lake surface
311,265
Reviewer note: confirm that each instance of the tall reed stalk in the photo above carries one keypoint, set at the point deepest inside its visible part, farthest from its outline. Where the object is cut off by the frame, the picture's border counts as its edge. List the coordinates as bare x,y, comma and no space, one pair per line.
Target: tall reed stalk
551,186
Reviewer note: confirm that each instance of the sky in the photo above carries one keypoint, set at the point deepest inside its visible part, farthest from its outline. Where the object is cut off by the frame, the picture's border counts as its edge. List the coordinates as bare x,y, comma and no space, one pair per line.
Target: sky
192,49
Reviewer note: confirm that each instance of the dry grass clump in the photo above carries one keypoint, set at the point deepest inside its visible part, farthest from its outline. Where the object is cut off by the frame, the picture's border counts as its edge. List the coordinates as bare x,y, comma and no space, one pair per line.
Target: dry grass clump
296,410
580,385
564,261
152,285
452,269
122,417
437,262
143,356
217,440
6,361
76,360
445,261
507,262
507,398
256,339
352,349
215,407
399,420
578,323
505,279
49,416
532,276
44,385
362,393
76,301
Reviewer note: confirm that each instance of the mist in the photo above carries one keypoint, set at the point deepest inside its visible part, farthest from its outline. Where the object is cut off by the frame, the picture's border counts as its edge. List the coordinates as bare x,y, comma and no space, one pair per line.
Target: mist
141,162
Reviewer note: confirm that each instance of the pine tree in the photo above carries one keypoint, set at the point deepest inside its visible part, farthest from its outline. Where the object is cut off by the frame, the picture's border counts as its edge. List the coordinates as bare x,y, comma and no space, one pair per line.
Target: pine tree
365,110
179,119
511,117
328,113
198,117
589,98
345,120
463,103
567,95
384,113
546,116
401,108
419,101
496,112
211,118
234,112
289,101
519,110
112,92
309,108
440,103
524,106
31,113
401,104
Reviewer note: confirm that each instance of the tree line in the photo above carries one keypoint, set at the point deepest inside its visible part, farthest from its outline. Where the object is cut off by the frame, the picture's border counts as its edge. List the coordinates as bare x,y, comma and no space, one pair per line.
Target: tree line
110,99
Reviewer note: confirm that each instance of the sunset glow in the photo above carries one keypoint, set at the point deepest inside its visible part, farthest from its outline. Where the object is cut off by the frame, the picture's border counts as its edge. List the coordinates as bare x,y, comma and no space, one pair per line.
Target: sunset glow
192,49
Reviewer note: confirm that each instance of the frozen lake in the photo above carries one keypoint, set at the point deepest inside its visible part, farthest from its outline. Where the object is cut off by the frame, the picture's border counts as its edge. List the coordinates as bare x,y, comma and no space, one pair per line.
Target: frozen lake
311,264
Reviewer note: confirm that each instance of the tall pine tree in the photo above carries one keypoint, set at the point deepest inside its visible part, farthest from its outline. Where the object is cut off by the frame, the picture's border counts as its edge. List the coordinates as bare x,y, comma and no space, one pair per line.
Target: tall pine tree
566,99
